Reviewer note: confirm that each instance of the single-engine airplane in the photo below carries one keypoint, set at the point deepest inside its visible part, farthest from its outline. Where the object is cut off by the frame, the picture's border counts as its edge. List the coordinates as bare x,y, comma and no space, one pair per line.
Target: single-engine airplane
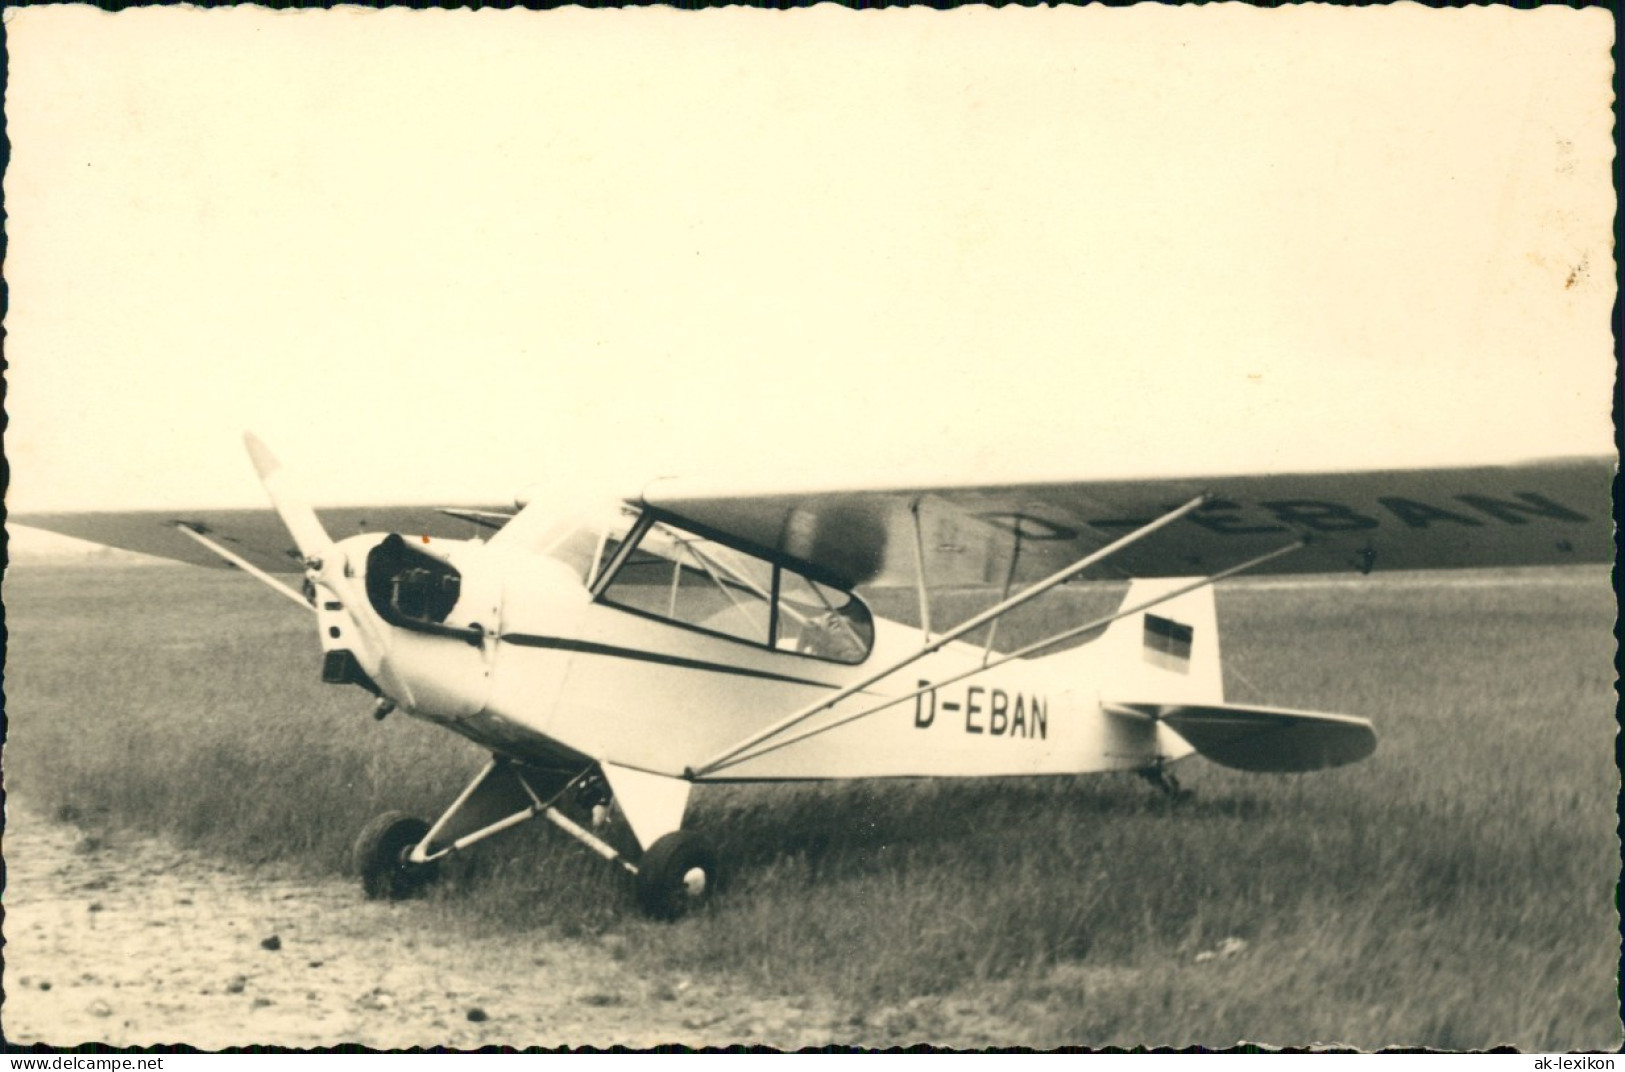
610,659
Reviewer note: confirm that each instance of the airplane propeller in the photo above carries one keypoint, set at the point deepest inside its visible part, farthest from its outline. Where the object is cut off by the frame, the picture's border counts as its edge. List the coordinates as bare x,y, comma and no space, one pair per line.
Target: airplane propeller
297,515
325,562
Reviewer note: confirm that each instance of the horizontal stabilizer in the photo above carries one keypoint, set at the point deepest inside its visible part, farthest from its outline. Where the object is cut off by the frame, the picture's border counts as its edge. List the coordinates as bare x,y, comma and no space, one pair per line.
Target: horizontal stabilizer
1262,738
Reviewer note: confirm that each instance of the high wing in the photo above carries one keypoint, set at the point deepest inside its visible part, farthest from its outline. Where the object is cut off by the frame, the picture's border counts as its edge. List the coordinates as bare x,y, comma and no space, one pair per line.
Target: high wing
257,535
1536,513
1547,512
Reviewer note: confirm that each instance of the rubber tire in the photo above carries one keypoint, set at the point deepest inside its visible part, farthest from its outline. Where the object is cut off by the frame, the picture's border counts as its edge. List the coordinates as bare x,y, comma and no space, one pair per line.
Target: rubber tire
662,890
380,857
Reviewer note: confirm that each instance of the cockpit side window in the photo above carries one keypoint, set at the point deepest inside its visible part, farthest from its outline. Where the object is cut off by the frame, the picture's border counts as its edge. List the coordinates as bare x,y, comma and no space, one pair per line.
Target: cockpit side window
822,621
689,580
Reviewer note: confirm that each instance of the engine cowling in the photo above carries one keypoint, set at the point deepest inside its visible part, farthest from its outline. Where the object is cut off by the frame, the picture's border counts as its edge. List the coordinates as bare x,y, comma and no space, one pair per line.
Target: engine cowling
438,605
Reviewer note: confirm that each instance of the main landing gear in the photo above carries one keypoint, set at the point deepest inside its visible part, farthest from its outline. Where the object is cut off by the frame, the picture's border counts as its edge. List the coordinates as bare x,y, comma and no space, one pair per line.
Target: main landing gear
381,855
398,855
676,875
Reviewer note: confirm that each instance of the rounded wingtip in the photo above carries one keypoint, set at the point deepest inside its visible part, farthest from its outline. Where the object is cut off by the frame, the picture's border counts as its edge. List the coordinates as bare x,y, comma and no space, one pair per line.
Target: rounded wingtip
265,462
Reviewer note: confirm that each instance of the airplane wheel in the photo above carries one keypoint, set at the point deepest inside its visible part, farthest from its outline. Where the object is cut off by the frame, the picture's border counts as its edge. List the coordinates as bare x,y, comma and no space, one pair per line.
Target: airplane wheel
380,857
677,875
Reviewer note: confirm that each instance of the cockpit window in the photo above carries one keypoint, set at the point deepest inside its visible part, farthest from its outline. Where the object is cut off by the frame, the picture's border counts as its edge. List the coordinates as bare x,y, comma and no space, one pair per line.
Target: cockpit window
697,582
684,578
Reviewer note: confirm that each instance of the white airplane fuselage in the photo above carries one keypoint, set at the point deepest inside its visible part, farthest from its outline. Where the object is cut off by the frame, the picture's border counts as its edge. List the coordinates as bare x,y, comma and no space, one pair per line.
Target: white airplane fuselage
528,663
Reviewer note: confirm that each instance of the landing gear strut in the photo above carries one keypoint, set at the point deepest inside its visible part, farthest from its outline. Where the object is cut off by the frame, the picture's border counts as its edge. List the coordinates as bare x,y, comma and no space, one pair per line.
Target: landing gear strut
397,855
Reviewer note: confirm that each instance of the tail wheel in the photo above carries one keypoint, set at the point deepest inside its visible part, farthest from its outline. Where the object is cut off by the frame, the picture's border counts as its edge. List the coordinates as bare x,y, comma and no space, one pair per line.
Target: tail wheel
380,857
677,875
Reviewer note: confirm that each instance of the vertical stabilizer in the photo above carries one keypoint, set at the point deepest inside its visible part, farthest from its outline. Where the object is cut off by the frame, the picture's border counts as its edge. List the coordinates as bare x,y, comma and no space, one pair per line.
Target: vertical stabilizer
1168,653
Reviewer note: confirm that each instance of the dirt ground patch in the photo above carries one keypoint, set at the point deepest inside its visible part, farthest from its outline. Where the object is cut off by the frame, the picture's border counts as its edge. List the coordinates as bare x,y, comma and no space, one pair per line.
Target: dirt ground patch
132,942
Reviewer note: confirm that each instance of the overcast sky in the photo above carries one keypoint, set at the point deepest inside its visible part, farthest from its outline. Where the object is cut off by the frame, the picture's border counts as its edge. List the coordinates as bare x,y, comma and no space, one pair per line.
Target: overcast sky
443,255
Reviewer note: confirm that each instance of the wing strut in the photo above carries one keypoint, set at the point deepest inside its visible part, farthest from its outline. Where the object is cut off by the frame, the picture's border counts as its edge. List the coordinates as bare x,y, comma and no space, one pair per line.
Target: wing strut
919,573
1020,653
1009,582
991,614
246,566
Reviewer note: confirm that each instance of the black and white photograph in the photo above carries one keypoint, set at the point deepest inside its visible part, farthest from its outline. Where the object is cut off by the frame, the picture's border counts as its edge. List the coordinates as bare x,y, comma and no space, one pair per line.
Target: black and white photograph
698,529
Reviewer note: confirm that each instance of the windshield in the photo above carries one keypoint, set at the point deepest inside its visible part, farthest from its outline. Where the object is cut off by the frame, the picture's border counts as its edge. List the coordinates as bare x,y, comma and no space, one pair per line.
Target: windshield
578,538
689,580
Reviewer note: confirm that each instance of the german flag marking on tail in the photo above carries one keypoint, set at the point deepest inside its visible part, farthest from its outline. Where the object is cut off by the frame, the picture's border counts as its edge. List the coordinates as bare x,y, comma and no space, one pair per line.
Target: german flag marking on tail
1168,643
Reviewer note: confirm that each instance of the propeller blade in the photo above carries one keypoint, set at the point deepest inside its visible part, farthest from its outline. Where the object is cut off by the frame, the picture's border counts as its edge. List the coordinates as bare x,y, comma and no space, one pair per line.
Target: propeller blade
291,505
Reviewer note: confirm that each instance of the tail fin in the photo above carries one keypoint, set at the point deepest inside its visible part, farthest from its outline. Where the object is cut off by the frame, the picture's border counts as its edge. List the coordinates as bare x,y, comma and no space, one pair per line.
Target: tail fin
1163,691
1168,653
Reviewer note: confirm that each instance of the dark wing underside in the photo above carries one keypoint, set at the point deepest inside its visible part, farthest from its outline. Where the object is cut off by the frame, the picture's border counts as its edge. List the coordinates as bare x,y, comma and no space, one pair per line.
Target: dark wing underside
1539,513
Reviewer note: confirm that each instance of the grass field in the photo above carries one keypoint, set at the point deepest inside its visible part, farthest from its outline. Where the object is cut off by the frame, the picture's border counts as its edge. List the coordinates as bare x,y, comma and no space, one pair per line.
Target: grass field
1455,891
